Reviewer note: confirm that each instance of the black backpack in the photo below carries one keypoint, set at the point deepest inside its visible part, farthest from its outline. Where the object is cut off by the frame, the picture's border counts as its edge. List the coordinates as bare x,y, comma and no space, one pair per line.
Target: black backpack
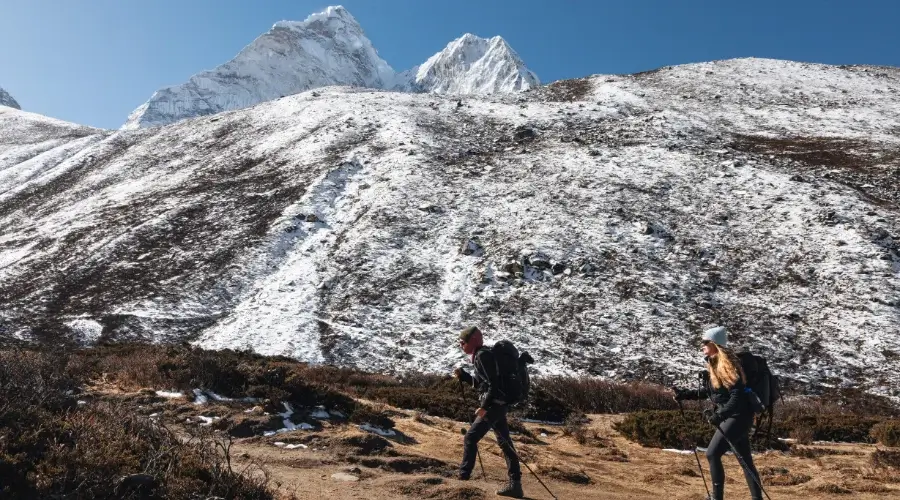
764,384
512,371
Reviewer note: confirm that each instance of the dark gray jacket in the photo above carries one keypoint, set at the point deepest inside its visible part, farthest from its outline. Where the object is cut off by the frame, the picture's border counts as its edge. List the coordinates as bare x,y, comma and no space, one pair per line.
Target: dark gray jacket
486,380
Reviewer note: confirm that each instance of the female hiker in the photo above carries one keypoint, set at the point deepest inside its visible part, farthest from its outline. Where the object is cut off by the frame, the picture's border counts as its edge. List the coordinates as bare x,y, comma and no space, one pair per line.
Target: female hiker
733,412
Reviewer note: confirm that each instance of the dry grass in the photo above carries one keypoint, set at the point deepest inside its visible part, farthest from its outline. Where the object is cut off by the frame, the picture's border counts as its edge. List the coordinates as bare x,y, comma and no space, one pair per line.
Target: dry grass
51,446
43,430
577,89
886,459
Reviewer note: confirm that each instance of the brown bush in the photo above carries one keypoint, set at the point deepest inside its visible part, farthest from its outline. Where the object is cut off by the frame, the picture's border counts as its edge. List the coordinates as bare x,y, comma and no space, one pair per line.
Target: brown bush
666,429
364,414
439,401
887,433
827,427
50,447
886,459
575,428
803,435
592,395
833,489
872,488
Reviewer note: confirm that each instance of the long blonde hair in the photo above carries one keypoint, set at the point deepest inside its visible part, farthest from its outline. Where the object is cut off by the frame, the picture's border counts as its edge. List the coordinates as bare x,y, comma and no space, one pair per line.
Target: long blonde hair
725,369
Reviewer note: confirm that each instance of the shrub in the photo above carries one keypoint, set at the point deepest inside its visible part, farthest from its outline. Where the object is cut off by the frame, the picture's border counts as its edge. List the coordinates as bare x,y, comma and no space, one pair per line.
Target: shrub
886,459
666,429
827,427
833,489
887,433
575,428
440,401
591,395
52,448
364,414
546,406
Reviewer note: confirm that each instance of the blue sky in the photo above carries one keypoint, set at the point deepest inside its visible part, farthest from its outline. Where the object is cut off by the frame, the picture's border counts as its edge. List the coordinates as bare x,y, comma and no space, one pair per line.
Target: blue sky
94,61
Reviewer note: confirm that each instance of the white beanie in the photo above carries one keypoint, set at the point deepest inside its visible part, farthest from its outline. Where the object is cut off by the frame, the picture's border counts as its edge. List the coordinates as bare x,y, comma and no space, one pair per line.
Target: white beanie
717,335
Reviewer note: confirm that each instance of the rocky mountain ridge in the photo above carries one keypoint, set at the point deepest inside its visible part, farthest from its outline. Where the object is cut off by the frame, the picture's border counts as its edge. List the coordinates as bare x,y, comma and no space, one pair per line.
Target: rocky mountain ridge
7,100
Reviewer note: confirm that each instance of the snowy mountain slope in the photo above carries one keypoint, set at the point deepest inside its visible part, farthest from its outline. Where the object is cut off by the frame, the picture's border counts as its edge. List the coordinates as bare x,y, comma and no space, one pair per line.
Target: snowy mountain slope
472,65
328,48
33,146
599,223
7,100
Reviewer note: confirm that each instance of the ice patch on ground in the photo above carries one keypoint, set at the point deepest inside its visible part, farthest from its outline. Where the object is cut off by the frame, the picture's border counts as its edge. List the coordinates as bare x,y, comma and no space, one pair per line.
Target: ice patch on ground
378,430
170,394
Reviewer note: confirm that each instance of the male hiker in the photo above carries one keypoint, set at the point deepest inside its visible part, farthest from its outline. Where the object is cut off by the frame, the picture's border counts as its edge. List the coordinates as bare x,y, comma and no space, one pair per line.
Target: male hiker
491,414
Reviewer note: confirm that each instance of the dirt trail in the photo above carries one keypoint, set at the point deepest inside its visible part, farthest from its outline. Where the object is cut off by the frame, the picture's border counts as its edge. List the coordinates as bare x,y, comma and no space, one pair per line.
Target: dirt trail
419,464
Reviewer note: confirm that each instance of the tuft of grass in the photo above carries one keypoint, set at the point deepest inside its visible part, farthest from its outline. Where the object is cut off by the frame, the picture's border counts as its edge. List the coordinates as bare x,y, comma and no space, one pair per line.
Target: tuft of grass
887,433
886,459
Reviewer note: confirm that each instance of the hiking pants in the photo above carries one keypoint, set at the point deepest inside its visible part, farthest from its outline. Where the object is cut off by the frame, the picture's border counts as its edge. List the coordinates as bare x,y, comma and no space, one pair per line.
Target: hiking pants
738,432
495,418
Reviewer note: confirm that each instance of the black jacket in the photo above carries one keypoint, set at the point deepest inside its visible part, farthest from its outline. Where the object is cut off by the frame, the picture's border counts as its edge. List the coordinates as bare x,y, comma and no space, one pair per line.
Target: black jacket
729,402
486,380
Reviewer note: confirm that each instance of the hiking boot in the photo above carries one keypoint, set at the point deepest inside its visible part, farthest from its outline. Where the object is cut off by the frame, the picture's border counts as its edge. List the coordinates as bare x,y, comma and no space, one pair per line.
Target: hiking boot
513,489
718,492
463,476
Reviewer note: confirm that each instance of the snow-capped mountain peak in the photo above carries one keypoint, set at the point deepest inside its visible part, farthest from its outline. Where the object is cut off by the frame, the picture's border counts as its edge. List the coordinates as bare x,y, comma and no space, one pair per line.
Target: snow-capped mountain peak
7,100
330,48
474,65
327,48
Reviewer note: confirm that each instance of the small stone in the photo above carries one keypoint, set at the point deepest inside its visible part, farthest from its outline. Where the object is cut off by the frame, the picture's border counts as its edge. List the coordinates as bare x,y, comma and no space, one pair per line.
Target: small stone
558,268
312,218
343,476
587,268
524,134
539,261
471,247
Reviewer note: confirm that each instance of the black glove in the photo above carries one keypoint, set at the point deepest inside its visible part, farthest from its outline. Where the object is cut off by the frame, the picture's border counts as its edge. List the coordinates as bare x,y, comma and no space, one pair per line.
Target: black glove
680,394
712,417
462,375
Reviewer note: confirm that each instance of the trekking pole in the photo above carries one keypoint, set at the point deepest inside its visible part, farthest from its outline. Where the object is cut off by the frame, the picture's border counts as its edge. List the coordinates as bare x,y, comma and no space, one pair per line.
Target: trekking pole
511,447
501,442
742,462
694,447
462,393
